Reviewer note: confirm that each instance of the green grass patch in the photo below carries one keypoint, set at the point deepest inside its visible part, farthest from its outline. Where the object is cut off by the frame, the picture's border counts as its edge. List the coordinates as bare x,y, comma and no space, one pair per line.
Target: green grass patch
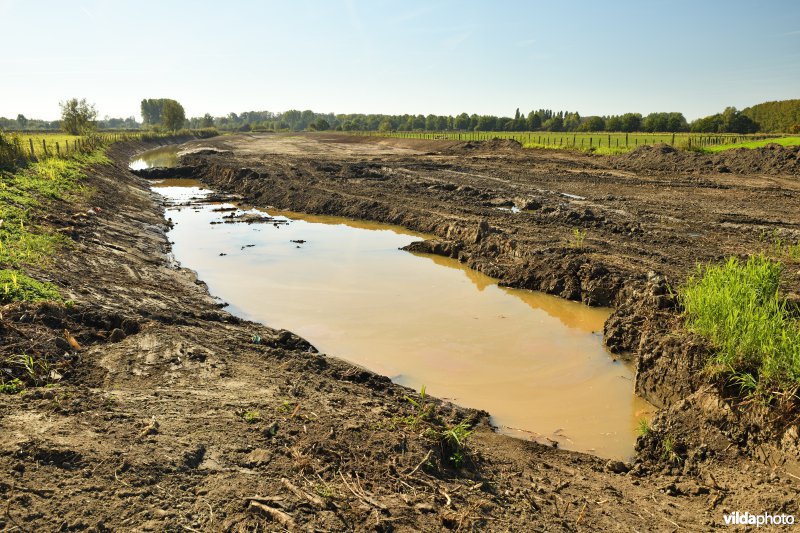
783,141
738,307
26,192
12,386
17,286
251,417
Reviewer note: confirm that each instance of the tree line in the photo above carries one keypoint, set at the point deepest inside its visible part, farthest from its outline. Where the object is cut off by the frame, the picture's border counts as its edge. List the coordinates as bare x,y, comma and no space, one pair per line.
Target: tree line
730,120
21,123
168,114
781,116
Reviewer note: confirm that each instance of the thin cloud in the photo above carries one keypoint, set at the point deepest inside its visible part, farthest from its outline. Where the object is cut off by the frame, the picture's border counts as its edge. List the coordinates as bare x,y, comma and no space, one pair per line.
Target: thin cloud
355,19
88,13
454,42
526,43
416,13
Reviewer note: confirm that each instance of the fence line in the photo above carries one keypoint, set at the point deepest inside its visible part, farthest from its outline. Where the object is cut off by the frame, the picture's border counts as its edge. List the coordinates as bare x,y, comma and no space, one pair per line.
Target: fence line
15,150
581,140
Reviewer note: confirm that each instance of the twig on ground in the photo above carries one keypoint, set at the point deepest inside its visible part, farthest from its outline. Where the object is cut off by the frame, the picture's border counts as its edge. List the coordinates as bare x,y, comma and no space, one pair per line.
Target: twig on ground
316,500
580,515
424,460
363,496
275,514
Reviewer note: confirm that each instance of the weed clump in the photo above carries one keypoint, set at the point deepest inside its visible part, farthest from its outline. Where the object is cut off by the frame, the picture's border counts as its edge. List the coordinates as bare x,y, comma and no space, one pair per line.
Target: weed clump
16,286
451,440
738,307
252,417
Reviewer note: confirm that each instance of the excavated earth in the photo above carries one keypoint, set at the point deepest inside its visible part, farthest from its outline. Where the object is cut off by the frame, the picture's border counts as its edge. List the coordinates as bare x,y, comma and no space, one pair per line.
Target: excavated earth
171,418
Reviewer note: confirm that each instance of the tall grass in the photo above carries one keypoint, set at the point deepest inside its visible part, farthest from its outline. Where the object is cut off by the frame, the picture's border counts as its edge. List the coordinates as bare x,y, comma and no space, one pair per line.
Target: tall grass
738,307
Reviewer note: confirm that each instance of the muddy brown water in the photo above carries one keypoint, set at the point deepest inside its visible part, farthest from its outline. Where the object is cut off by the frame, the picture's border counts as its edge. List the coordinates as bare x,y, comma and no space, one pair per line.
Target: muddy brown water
535,362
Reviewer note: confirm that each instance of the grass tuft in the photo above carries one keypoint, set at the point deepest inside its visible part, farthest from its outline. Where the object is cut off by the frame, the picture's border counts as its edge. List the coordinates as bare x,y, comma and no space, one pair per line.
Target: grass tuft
738,307
16,286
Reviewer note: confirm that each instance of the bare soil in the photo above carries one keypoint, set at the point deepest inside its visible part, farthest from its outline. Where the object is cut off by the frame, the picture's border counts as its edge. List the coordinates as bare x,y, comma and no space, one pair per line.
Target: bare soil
170,416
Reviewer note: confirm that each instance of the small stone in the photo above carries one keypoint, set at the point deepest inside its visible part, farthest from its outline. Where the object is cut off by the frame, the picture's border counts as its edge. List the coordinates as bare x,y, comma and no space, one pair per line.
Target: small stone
271,430
424,508
617,467
259,456
116,335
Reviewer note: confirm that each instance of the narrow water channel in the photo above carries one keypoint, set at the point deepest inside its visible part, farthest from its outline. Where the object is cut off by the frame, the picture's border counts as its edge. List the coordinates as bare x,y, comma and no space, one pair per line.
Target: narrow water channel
535,362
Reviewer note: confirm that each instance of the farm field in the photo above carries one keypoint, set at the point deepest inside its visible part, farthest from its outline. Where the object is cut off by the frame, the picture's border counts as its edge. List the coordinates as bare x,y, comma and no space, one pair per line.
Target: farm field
601,142
34,146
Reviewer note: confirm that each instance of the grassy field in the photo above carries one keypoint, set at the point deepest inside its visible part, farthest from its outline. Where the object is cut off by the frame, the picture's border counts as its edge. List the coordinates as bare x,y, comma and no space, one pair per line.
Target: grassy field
783,141
40,146
602,143
18,148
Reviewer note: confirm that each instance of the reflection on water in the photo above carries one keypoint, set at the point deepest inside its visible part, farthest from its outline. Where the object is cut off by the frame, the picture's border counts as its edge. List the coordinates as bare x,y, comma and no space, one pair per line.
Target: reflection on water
166,156
535,362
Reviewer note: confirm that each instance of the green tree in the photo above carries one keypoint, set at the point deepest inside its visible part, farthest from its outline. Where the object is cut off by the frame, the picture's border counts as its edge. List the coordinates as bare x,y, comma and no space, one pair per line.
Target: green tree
385,126
321,124
77,116
631,122
555,123
486,123
733,121
780,116
151,111
613,123
172,115
461,122
22,122
534,121
592,124
207,121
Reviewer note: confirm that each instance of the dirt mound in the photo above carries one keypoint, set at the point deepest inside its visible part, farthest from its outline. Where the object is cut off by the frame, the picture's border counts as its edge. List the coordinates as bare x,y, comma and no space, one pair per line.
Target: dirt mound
492,145
771,159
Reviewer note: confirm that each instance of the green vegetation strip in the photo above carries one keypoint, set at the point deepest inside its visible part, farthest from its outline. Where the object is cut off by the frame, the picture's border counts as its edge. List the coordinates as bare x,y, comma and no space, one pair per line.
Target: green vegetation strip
599,142
783,141
738,307
23,192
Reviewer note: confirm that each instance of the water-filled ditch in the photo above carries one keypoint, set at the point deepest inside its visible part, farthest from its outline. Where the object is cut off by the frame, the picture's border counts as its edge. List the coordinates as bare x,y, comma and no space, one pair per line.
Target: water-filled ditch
535,362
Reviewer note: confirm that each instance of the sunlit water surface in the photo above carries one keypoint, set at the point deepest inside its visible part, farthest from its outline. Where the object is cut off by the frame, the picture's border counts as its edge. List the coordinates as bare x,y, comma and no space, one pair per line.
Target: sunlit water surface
535,362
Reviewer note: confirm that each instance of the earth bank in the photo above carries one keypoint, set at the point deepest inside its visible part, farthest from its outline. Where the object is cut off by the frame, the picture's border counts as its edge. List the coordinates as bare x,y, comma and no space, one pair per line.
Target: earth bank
171,417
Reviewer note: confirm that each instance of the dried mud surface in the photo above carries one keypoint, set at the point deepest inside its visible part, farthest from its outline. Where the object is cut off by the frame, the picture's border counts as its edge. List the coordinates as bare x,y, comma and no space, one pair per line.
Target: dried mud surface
170,417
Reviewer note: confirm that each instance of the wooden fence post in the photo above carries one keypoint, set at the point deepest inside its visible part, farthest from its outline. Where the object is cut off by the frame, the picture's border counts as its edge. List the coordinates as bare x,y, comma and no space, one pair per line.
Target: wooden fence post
44,147
33,154
58,150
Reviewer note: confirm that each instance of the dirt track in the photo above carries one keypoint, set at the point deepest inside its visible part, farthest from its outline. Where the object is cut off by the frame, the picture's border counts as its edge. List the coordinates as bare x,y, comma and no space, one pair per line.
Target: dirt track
148,433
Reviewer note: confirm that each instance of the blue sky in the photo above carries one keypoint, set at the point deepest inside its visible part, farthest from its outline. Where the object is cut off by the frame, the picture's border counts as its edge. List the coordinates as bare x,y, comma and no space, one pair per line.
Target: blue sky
380,56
